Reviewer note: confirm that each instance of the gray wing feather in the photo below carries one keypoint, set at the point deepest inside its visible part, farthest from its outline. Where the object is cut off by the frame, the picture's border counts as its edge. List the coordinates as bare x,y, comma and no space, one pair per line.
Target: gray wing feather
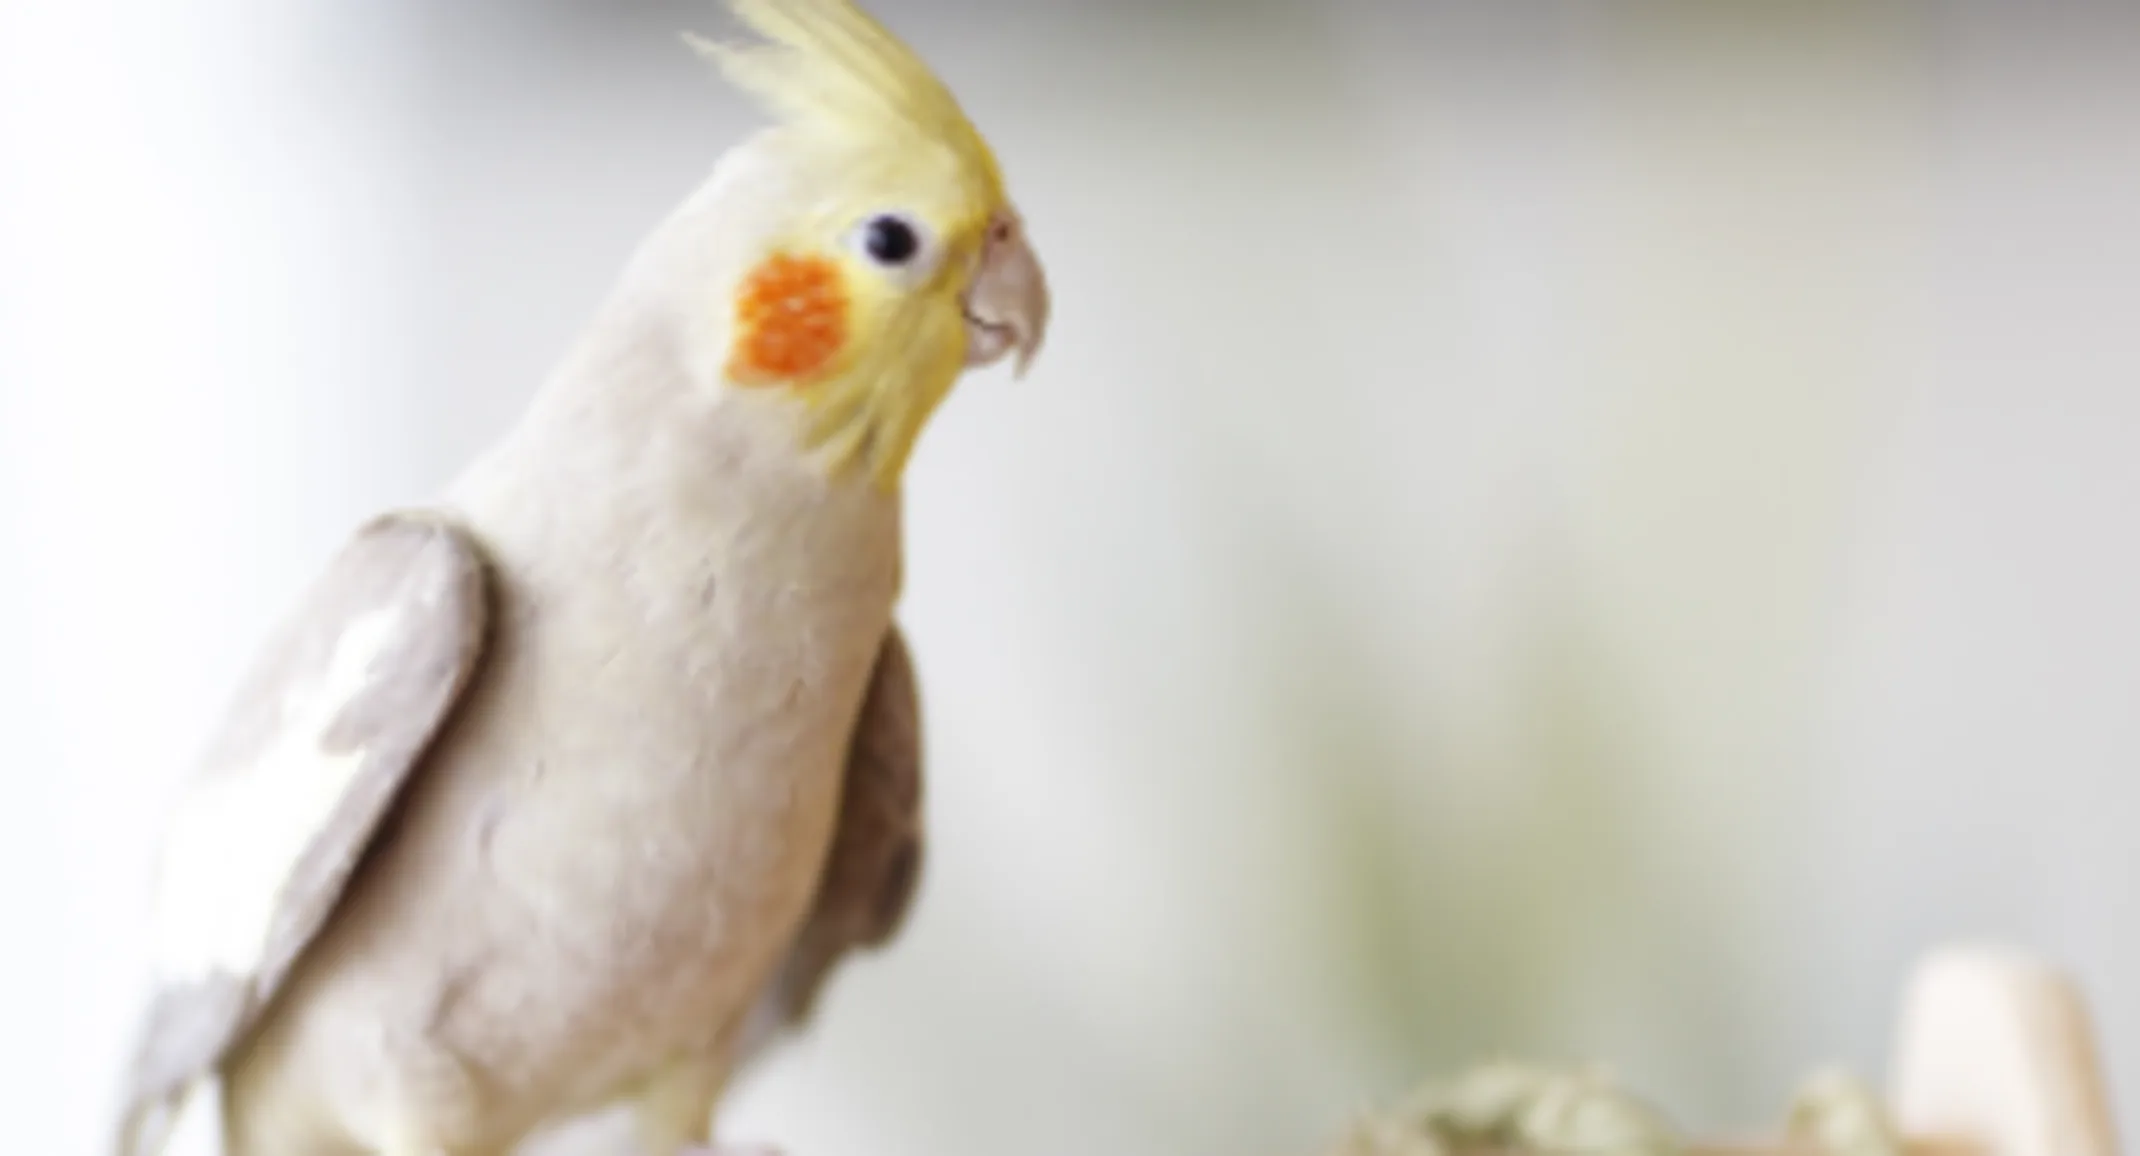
427,578
874,865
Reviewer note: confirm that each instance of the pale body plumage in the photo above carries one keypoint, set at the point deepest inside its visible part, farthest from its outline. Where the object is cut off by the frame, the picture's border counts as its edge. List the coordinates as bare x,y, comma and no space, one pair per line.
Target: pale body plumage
572,789
698,610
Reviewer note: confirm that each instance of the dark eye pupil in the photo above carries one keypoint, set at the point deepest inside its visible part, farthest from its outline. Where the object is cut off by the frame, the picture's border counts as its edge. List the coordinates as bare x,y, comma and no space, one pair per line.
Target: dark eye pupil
892,241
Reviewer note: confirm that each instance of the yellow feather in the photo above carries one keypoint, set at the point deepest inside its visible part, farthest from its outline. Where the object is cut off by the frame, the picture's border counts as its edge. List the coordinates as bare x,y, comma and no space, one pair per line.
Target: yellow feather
837,79
831,67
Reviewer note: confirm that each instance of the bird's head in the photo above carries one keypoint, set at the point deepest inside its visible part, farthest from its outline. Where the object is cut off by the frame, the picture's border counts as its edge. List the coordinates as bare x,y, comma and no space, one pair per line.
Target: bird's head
866,250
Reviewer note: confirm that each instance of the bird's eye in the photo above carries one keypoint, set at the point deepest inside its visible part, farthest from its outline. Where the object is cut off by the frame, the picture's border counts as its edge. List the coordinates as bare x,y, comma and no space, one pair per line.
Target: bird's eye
891,241
896,243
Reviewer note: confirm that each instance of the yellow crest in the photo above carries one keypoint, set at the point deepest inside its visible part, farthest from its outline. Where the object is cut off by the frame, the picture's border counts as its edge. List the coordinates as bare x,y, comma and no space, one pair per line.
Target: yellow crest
830,66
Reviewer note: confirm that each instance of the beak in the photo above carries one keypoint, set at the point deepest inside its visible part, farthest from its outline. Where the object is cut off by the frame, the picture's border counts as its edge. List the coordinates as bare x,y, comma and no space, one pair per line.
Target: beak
1007,303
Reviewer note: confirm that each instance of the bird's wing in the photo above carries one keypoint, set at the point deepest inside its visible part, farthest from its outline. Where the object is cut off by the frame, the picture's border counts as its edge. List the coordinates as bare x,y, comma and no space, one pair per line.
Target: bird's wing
875,862
337,711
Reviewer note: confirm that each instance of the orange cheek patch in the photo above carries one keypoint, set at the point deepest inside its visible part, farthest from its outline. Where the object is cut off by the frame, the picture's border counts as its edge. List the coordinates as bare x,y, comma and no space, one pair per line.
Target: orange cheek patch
791,320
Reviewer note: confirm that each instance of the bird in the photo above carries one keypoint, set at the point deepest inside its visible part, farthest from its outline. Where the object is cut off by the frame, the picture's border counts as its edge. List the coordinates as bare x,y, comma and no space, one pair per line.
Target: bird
567,790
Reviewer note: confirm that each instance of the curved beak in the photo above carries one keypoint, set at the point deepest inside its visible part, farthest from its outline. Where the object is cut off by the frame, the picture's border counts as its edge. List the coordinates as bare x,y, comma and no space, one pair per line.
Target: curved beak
1006,304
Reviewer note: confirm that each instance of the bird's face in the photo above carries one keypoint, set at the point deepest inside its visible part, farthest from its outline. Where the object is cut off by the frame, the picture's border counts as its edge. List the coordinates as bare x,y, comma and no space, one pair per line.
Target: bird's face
870,304
880,256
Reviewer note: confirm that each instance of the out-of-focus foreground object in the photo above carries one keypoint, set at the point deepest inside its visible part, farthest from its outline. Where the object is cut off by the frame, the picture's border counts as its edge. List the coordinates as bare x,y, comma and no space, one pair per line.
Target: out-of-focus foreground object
1994,1056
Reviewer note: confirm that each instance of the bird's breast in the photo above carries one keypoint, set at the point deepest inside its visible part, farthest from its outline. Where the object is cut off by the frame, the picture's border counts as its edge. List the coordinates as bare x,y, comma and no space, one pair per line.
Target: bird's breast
649,777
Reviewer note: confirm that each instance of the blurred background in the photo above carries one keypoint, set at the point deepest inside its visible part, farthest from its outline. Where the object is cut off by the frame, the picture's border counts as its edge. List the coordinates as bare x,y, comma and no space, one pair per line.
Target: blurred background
1576,531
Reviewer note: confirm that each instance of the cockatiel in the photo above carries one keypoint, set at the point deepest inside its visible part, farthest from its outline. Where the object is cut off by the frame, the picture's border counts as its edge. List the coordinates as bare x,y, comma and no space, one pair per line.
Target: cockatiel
568,792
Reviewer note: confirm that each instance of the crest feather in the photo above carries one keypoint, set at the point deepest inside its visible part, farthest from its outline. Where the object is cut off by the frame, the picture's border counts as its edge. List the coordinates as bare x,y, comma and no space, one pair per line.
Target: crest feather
830,66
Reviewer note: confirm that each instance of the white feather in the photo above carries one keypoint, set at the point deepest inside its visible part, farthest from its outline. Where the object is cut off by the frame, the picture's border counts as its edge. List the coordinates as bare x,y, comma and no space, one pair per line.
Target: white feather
236,838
